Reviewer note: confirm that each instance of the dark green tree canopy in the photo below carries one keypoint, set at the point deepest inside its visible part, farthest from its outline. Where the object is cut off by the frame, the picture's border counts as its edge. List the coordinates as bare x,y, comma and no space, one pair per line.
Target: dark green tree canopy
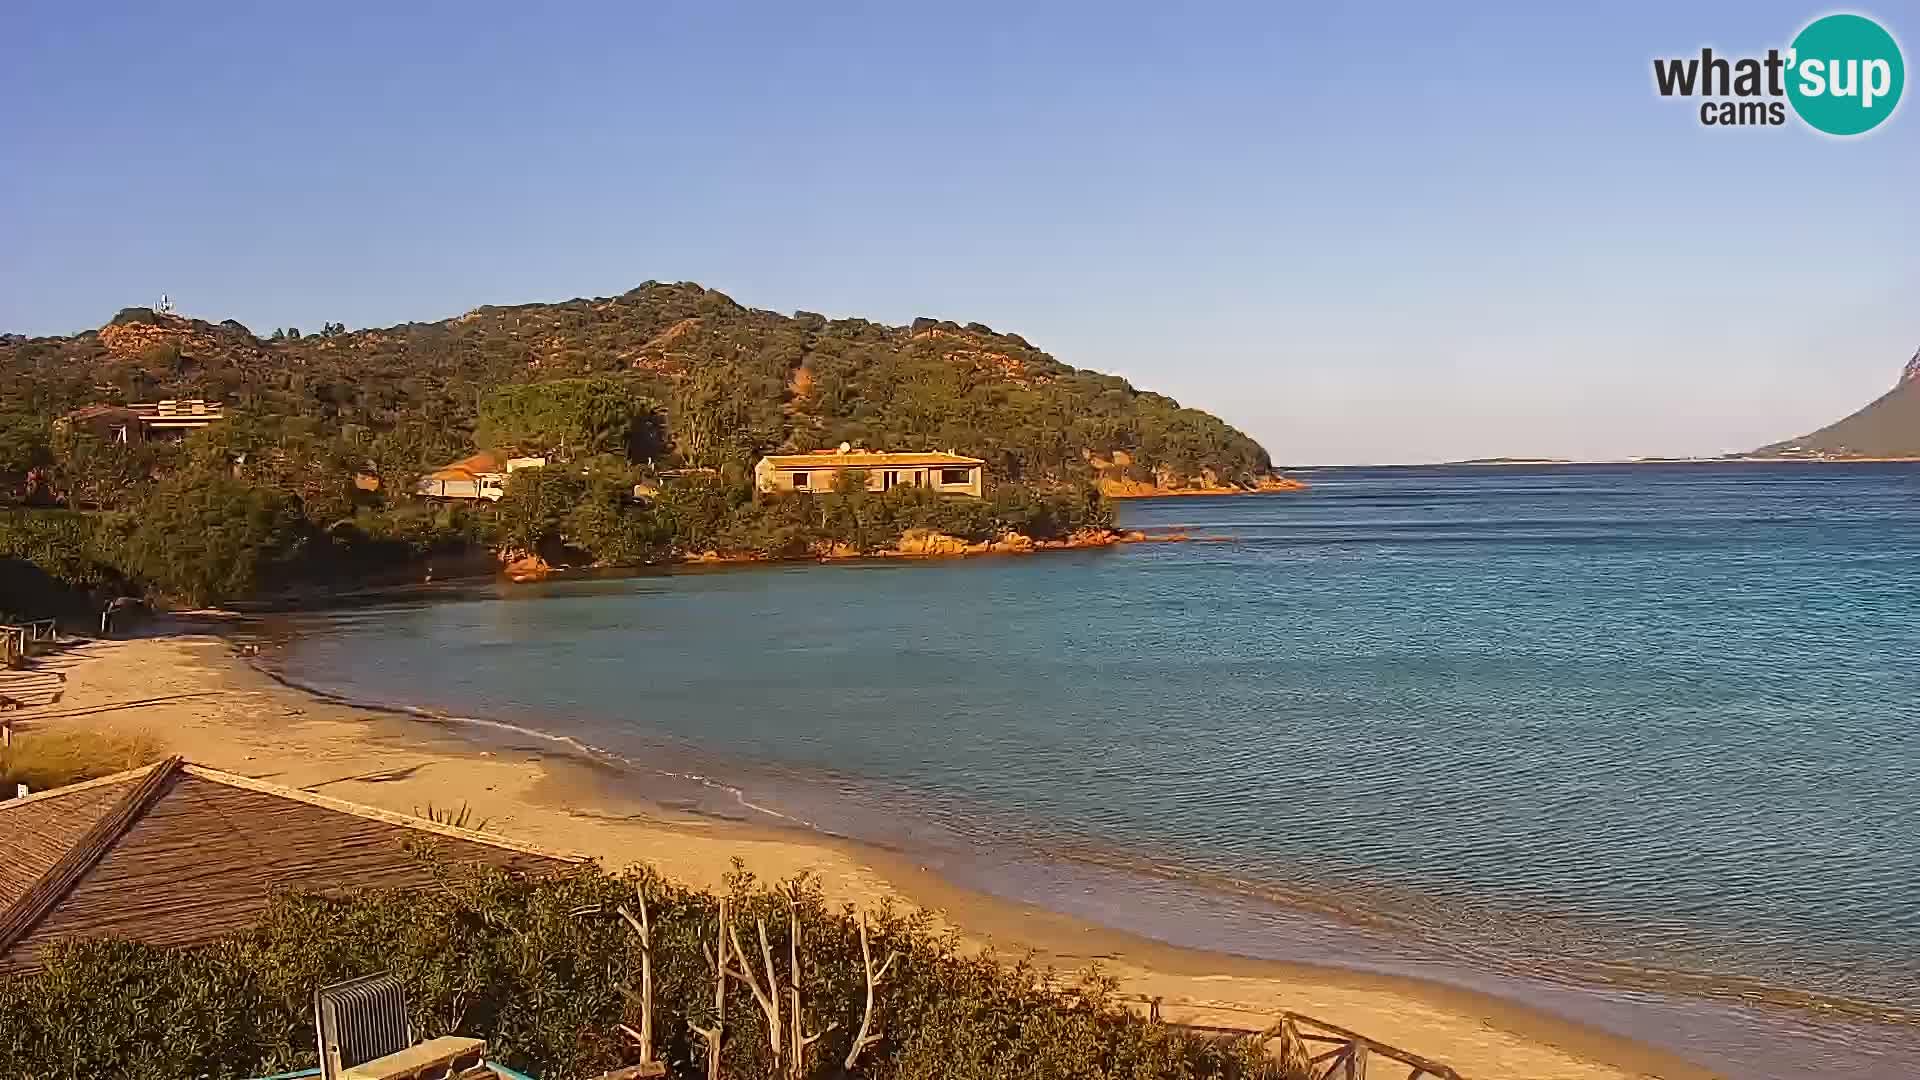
572,418
729,383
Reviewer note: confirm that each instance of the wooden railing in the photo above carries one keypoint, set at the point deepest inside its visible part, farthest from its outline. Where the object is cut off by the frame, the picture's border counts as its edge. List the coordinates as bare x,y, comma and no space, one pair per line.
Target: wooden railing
20,638
1318,1049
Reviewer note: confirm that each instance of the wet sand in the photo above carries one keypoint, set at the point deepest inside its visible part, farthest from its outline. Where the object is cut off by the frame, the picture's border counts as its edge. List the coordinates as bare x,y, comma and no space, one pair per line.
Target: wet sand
200,700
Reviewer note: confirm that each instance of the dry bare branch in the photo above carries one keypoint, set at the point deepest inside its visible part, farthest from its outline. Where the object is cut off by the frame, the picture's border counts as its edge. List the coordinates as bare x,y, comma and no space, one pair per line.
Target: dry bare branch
768,998
718,957
861,1039
643,926
796,1066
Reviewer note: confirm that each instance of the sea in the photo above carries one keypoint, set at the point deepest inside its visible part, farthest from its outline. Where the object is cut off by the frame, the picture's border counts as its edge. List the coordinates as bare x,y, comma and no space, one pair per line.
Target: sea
1637,745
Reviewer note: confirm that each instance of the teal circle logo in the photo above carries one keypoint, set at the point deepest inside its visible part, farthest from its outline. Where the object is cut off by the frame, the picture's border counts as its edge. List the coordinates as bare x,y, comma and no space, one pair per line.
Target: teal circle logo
1845,74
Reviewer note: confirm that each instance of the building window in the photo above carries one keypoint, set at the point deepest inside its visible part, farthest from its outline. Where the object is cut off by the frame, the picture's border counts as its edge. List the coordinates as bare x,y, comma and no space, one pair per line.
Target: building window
799,480
956,476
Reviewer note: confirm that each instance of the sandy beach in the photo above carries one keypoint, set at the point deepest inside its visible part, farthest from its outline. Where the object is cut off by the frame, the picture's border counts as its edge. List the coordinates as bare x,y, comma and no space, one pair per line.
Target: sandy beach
198,698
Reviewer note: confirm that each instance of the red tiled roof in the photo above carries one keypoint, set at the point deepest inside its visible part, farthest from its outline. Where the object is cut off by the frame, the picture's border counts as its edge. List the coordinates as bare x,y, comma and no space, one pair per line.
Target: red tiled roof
468,468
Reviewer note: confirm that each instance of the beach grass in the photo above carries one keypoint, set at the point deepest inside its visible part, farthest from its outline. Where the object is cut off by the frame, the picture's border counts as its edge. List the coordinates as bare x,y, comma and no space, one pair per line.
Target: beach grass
52,757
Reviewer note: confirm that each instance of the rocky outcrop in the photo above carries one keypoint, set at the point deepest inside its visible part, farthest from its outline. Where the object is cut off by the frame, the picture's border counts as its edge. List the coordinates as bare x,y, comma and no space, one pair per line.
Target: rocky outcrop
1111,477
131,340
926,543
929,544
1083,538
711,556
1276,482
1117,488
526,568
1012,543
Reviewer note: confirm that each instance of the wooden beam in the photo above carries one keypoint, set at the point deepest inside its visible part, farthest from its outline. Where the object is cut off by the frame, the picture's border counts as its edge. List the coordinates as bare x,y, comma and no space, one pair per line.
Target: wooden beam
60,878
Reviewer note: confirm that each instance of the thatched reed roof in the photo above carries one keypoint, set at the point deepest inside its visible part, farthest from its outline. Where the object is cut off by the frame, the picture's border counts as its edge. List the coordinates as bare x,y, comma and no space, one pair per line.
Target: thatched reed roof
174,854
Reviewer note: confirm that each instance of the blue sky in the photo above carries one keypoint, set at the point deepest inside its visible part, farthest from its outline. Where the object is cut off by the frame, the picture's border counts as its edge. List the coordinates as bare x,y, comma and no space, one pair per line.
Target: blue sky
1392,233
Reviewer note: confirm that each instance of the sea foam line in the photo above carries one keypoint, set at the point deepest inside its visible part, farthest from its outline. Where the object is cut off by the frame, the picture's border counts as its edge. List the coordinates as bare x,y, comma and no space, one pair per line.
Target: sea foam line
584,749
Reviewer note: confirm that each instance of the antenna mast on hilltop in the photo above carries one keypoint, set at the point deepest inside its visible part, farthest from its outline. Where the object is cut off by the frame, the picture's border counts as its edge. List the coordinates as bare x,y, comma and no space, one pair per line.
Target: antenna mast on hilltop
166,304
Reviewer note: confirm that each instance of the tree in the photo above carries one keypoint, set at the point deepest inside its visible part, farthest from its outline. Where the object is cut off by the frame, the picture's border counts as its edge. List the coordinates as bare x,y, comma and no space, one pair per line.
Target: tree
572,418
88,472
205,537
26,451
533,512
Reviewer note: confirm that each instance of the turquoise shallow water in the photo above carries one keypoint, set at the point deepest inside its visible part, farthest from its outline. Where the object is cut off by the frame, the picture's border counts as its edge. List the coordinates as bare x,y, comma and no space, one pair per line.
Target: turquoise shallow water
1651,730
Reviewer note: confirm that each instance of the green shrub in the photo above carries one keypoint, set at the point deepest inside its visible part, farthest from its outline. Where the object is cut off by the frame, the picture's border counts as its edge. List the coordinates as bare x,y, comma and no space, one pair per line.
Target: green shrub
572,418
535,507
80,549
205,537
537,967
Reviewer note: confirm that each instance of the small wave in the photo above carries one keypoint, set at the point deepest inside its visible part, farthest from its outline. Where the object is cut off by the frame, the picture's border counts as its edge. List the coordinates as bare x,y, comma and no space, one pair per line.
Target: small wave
1425,921
587,750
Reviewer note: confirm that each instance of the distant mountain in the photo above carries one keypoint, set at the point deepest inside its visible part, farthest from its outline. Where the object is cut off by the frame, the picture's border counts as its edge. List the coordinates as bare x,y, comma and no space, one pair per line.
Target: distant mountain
732,382
1889,427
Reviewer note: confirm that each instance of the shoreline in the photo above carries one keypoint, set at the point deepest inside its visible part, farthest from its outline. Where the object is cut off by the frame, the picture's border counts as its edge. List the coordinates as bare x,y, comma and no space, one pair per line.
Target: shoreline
1130,489
915,544
1547,463
243,719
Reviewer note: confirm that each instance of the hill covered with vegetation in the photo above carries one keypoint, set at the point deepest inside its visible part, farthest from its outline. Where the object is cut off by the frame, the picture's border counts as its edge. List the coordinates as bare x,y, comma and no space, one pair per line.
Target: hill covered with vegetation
1887,427
732,383
308,477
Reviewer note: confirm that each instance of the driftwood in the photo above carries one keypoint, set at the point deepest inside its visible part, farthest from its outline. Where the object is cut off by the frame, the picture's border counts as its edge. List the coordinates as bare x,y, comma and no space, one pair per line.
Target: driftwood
861,1039
719,959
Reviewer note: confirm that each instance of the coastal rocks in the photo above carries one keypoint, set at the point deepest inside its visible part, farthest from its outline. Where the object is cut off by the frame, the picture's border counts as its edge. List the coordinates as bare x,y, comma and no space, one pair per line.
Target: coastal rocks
712,556
527,568
929,544
1082,538
1120,488
1276,482
1206,484
1012,543
932,544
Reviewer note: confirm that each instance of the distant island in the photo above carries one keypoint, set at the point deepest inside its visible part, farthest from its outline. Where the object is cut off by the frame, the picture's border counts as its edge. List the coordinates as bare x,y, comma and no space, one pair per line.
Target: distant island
1885,429
200,461
1513,461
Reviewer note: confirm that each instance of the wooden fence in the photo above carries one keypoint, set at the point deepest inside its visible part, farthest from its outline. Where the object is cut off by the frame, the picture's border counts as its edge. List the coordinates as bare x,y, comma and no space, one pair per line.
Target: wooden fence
1323,1051
17,640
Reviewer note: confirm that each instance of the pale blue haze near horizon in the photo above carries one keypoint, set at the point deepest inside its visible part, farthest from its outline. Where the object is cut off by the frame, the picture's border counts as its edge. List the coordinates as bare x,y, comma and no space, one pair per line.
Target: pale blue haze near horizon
1409,232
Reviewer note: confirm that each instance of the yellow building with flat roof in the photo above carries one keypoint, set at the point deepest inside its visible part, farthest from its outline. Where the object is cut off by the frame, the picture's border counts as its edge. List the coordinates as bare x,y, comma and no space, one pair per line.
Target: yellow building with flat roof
949,474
